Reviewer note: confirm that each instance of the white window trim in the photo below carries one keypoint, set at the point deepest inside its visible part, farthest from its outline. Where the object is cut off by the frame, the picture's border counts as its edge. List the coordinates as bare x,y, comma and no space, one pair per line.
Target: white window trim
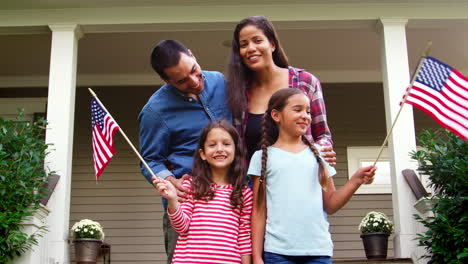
356,155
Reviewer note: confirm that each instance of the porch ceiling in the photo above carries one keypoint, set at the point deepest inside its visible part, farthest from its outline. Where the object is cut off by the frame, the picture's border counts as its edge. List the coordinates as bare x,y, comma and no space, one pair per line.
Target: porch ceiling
334,45
58,4
340,52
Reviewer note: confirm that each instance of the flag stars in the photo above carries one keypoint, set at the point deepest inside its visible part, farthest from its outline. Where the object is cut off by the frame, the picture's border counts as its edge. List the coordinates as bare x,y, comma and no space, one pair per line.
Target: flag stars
98,114
434,74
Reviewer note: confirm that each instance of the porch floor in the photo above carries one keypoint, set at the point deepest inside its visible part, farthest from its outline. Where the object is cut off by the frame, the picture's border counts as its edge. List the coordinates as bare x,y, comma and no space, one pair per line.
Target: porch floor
366,261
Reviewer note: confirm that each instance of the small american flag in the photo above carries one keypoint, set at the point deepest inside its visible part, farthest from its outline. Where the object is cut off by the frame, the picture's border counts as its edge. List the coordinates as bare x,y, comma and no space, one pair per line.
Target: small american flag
104,128
442,92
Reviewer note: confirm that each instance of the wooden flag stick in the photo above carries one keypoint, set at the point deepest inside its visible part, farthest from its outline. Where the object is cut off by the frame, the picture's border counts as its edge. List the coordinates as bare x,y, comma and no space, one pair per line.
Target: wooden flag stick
421,61
123,134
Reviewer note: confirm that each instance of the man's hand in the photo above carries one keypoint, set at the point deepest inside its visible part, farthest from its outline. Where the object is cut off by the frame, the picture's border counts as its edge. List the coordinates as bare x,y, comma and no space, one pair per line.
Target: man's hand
181,191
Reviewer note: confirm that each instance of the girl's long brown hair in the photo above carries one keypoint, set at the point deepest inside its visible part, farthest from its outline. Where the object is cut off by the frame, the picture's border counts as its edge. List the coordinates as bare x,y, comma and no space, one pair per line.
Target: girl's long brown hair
239,77
201,171
277,102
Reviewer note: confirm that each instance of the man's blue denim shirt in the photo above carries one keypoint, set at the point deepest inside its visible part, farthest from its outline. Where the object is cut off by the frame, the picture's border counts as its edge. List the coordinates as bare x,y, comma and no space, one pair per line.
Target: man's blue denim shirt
171,124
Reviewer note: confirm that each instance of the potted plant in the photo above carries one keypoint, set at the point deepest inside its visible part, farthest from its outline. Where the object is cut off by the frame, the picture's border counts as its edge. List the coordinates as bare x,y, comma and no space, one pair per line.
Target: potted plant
375,229
87,238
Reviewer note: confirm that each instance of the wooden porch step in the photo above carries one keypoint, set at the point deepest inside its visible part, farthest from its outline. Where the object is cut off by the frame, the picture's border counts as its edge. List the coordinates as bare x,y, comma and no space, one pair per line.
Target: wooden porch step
366,261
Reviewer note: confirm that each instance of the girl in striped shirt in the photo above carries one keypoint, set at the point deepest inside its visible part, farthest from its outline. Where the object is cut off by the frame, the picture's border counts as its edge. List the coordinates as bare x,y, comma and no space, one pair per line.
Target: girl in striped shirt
214,221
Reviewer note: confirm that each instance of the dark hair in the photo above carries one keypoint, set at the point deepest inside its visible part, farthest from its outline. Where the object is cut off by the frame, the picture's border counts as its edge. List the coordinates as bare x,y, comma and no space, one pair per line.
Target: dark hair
277,102
166,54
239,76
201,170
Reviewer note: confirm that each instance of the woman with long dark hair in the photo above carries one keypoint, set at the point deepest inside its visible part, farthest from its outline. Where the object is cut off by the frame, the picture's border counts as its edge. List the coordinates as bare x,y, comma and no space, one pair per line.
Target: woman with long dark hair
257,68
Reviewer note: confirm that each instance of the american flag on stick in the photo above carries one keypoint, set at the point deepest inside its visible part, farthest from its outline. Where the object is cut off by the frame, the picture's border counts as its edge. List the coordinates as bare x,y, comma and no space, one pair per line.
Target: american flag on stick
104,128
442,92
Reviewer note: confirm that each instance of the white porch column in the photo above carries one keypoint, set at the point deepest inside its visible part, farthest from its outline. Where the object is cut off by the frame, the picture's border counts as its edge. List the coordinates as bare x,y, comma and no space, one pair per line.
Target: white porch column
396,78
61,116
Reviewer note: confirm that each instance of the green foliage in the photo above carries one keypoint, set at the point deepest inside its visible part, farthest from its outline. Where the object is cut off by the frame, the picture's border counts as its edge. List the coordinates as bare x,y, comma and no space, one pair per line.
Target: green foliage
445,161
22,175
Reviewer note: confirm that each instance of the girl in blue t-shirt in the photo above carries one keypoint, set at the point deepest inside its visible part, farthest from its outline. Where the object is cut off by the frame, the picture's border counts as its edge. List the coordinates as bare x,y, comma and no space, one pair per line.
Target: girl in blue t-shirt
295,184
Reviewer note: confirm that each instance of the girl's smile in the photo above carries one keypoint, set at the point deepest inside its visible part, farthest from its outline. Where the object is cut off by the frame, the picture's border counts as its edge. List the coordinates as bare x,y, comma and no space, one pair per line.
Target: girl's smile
219,149
303,124
295,117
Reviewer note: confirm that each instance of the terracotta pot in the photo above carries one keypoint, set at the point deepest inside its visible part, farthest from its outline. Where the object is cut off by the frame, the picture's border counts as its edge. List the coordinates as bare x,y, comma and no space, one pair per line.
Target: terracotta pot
375,245
86,250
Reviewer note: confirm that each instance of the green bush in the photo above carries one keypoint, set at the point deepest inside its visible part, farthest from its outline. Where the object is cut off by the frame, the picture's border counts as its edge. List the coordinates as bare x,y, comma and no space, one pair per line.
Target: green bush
22,175
445,161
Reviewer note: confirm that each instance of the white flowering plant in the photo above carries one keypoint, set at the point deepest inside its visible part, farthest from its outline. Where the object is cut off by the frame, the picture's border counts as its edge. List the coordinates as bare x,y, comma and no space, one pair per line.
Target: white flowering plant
376,222
86,228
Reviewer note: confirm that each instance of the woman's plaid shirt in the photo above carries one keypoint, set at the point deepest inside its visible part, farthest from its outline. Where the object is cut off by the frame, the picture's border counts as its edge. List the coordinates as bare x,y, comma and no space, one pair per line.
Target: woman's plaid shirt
310,85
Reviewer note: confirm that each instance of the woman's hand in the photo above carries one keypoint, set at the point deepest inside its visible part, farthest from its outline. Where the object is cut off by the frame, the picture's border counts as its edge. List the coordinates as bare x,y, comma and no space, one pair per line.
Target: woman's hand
327,153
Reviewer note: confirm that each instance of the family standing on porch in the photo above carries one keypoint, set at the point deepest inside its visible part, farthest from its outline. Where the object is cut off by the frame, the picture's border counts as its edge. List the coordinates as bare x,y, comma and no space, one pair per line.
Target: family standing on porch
292,119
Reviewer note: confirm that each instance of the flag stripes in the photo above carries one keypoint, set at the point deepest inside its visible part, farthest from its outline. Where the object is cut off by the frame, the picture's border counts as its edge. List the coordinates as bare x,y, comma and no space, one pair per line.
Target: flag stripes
442,92
104,128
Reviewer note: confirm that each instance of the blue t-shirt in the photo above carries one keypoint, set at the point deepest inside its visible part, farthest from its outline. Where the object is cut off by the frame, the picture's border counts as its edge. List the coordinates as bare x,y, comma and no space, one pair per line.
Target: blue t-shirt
296,223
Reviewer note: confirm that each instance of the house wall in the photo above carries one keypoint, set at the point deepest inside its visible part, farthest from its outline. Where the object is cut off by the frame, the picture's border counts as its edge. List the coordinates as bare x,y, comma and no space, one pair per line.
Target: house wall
123,201
131,212
356,117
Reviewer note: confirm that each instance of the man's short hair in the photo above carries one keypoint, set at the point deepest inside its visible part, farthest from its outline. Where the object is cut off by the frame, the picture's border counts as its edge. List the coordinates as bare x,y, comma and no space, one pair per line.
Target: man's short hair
166,54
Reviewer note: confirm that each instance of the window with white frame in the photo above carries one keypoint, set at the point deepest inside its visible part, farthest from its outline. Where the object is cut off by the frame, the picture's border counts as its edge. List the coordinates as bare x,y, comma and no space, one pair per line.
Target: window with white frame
365,156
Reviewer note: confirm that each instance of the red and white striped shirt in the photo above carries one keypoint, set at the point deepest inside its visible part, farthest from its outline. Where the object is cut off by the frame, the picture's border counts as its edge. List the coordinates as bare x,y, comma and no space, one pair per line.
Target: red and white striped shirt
212,231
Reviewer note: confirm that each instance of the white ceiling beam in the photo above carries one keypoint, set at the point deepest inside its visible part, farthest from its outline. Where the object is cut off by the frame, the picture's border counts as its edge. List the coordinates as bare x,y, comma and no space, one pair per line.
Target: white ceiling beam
129,79
179,16
346,76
